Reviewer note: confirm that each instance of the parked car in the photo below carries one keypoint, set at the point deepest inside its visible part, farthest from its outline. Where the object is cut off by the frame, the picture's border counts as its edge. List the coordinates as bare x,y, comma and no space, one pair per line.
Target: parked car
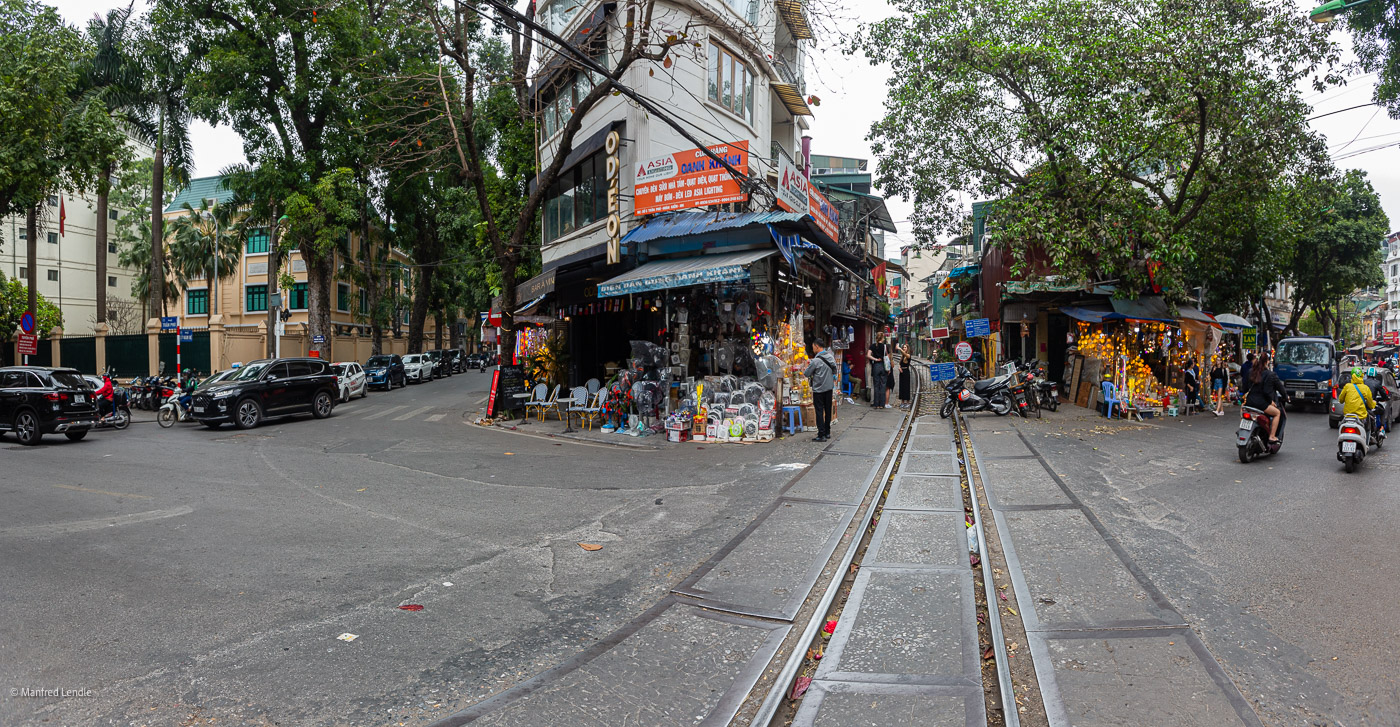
418,368
352,380
385,370
454,360
268,389
475,361
1390,410
38,400
439,369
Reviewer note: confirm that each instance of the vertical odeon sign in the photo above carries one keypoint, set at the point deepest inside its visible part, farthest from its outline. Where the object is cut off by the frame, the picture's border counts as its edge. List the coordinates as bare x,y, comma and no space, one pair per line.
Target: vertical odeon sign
614,219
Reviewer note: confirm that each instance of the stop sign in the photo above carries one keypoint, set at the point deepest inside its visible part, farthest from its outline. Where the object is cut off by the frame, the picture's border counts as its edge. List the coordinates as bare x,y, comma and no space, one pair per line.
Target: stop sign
963,350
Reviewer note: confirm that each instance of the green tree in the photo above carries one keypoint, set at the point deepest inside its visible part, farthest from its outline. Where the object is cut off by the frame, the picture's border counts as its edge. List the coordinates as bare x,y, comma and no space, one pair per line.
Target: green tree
131,193
1106,128
1340,251
14,301
206,243
1375,31
318,224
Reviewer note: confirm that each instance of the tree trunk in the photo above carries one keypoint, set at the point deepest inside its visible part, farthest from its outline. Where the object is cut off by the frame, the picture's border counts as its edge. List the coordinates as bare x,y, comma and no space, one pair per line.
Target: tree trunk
101,251
441,318
320,271
419,314
455,330
506,341
369,251
31,254
156,276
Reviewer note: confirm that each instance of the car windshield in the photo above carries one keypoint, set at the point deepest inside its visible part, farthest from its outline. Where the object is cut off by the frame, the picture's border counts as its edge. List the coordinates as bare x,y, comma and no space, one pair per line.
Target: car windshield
1304,353
340,369
411,358
378,361
250,372
216,378
69,380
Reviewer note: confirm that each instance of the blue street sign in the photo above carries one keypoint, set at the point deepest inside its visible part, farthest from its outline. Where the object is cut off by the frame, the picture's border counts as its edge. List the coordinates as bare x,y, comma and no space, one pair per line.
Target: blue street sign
186,335
942,371
978,327
26,322
318,339
169,323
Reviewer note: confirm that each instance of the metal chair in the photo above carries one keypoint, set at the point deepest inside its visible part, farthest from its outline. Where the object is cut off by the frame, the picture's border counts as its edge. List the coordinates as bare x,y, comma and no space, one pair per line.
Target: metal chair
590,411
551,403
593,385
536,397
577,401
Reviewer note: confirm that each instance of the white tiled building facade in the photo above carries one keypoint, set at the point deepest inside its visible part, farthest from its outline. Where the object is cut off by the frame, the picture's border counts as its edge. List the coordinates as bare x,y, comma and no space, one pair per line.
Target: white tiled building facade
1392,282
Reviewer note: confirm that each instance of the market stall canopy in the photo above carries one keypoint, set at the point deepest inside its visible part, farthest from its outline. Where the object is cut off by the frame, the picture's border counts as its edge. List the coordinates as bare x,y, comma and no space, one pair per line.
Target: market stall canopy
1090,315
681,272
965,271
1147,308
1230,320
1190,313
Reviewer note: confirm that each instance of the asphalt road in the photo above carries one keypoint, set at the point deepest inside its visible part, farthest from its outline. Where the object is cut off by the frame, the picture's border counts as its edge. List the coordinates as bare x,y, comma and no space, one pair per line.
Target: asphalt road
1287,567
191,574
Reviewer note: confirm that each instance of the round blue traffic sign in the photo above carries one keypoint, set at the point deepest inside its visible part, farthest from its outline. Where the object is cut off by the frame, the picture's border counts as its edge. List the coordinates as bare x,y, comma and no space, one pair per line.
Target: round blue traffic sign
26,322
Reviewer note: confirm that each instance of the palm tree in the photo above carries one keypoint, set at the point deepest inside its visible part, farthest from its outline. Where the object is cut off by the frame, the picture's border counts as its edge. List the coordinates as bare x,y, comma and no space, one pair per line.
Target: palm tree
114,81
207,243
137,254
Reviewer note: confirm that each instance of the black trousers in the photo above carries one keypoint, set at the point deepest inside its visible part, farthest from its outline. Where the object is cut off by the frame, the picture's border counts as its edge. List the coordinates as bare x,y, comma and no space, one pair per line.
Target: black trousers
821,401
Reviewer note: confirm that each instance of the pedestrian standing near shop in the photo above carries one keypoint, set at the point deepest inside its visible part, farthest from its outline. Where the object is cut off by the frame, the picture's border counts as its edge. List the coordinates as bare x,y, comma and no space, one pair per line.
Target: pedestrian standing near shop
1219,377
1244,374
878,371
821,371
906,362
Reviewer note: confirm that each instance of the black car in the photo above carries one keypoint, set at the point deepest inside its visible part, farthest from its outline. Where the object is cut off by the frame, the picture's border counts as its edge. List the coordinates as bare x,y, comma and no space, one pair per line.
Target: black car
385,370
454,360
439,364
37,400
268,389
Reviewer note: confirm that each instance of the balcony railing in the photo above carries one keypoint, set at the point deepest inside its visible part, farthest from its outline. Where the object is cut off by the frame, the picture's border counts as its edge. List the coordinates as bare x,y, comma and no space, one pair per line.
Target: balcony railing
779,152
790,75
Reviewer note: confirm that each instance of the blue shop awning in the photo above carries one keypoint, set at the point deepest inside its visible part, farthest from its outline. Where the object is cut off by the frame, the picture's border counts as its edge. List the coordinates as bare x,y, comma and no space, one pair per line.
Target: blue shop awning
1146,308
1091,315
681,272
964,270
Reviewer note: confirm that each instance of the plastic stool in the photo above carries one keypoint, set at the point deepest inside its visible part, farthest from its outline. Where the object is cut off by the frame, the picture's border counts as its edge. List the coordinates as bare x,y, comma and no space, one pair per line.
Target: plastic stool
793,412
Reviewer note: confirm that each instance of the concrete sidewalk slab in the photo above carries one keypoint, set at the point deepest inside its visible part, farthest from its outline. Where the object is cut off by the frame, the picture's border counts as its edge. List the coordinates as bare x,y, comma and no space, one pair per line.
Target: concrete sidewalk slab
1109,679
931,443
926,539
846,704
1020,482
915,463
925,492
768,570
687,667
842,478
908,627
1075,580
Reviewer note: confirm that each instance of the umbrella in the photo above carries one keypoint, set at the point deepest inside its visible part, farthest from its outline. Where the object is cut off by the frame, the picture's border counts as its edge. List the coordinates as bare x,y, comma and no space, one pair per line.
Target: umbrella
1230,320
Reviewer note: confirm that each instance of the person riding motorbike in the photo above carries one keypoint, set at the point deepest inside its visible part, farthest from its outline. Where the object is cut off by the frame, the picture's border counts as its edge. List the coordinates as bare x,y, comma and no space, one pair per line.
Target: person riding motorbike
106,396
1262,389
1357,400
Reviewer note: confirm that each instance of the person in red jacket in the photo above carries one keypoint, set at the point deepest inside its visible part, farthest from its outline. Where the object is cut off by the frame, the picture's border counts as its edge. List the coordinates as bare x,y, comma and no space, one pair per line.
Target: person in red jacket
105,395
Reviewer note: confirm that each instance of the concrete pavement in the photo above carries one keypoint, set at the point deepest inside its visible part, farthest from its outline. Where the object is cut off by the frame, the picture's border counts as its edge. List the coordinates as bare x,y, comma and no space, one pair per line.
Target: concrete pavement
1160,581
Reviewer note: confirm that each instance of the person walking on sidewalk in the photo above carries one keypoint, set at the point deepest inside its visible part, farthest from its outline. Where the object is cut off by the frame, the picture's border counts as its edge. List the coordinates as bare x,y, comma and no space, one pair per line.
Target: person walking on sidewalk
878,372
1219,378
906,361
821,371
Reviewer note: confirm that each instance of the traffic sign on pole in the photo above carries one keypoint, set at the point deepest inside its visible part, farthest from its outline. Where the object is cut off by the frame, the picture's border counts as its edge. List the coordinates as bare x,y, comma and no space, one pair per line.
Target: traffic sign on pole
942,372
963,350
26,322
979,327
186,335
28,344
169,323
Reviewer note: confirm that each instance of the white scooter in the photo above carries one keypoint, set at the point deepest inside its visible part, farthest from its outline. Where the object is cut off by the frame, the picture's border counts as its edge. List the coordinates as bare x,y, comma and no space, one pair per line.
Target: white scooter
172,411
1354,440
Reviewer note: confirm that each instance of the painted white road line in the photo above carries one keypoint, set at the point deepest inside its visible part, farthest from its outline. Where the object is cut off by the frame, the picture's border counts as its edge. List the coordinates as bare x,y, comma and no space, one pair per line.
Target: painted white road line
414,413
437,417
388,411
29,531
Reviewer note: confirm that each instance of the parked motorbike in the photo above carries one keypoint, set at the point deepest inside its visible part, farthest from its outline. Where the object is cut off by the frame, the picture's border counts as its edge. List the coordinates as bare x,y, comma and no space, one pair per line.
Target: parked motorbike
1253,434
1046,392
992,395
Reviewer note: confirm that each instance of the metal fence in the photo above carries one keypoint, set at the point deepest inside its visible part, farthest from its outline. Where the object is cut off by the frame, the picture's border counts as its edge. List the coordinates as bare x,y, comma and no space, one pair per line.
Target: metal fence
193,355
128,355
79,352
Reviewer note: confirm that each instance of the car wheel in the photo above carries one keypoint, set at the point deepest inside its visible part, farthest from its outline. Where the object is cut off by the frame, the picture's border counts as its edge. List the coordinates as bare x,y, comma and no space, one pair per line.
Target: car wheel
364,392
1333,423
27,428
76,436
321,406
247,415
344,395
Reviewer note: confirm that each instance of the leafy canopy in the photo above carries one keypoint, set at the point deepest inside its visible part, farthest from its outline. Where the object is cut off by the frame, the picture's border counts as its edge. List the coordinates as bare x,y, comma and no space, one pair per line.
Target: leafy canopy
1106,127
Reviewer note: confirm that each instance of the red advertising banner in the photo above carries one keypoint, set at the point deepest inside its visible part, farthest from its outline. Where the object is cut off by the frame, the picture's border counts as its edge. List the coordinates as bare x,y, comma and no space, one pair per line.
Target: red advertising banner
1392,338
823,212
938,333
689,179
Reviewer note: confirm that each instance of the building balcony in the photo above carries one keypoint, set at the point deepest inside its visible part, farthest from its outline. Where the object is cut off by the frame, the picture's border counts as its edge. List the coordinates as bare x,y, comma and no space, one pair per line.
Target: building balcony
794,13
779,152
791,88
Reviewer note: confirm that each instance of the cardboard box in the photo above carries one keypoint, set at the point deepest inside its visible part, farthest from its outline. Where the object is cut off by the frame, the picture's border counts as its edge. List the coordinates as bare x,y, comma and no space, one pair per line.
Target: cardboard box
809,418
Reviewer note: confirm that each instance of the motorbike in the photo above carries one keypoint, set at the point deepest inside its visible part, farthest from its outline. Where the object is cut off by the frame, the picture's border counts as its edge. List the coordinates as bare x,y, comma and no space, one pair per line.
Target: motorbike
1354,441
992,395
1253,434
172,411
1046,392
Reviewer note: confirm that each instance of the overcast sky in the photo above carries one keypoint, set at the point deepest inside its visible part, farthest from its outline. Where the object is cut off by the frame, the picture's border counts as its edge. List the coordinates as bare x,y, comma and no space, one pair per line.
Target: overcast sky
852,96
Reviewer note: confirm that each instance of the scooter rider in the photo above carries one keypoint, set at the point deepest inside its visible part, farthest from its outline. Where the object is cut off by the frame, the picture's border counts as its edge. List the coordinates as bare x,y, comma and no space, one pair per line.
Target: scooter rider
1357,400
106,394
1262,389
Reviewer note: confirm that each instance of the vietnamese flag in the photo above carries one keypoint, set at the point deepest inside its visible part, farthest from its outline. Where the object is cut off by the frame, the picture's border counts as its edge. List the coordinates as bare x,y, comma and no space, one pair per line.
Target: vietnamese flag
62,215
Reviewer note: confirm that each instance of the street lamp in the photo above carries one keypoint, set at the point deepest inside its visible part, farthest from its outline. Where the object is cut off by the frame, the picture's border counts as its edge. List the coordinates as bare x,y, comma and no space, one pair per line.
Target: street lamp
1331,10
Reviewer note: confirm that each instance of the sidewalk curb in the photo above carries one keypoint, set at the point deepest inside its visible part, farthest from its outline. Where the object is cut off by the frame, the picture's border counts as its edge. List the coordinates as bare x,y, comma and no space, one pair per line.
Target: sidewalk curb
512,429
